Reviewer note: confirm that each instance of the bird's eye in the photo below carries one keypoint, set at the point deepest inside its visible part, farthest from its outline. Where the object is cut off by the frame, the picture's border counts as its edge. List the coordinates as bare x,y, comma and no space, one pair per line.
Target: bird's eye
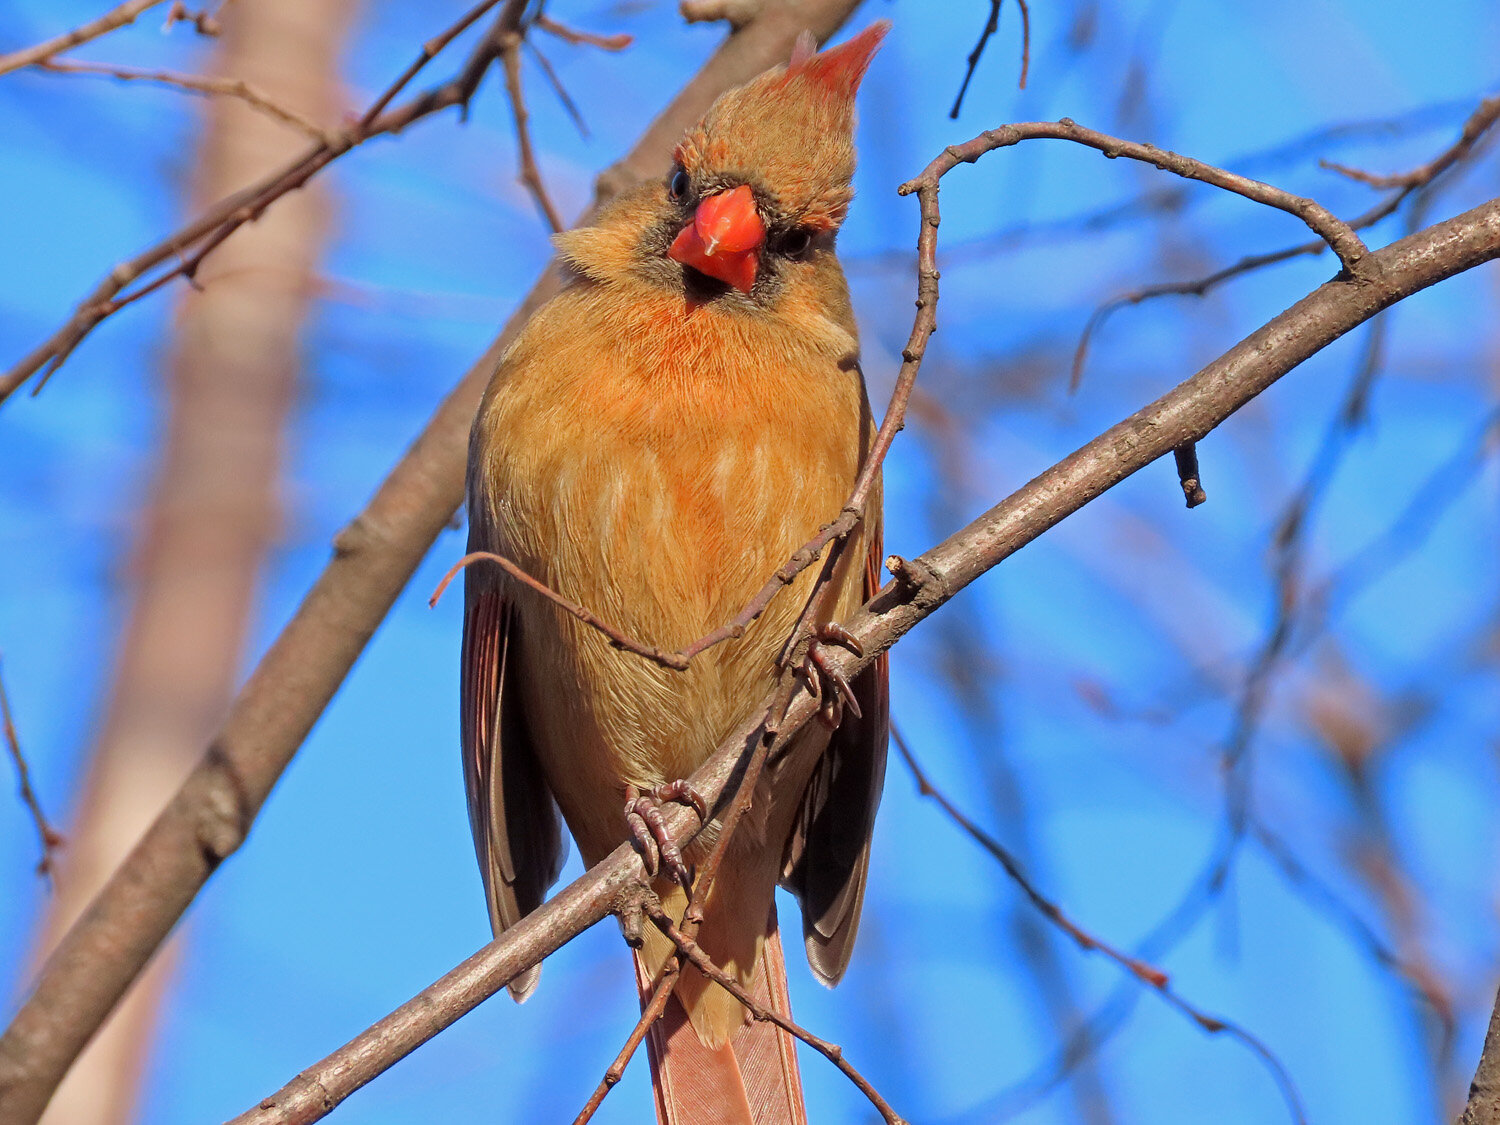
677,186
795,242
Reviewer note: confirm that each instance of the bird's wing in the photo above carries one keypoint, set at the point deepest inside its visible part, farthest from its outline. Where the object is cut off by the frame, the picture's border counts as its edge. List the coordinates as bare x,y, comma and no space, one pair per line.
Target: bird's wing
517,834
828,855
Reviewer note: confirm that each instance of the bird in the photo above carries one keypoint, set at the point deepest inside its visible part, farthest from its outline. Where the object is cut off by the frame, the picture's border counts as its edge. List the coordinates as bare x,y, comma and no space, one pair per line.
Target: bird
659,438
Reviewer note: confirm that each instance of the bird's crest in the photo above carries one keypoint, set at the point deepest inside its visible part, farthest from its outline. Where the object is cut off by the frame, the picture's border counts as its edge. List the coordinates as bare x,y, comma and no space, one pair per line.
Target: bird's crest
838,69
790,132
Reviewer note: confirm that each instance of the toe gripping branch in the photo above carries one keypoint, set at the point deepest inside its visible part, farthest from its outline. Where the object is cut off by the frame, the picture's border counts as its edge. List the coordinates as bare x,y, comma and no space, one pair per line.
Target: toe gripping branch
648,827
817,670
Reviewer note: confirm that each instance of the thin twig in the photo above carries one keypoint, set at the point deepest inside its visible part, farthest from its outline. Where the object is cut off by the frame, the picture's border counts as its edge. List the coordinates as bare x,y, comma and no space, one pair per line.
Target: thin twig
766,738
49,839
1174,198
509,48
570,107
1147,974
1288,541
1188,475
992,25
662,987
115,17
830,1051
588,617
617,42
1473,129
1025,42
196,84
434,46
1410,528
1337,234
1320,895
1156,980
204,22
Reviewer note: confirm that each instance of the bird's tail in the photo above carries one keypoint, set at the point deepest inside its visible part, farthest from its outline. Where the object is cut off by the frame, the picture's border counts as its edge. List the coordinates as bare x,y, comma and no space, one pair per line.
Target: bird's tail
750,1080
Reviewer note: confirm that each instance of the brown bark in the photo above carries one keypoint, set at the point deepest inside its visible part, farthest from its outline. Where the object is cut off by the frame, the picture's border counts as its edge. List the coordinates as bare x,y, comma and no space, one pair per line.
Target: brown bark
214,508
374,556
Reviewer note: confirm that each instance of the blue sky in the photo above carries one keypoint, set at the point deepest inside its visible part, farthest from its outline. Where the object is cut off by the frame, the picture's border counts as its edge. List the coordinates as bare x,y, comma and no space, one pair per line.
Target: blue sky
1107,657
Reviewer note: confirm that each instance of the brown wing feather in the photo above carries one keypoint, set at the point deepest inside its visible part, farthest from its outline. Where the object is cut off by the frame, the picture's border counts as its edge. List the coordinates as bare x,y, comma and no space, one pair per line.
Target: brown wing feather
829,853
517,833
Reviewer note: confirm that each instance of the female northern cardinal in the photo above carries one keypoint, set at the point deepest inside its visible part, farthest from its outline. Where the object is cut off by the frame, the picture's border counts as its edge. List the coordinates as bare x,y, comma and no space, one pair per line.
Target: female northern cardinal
658,440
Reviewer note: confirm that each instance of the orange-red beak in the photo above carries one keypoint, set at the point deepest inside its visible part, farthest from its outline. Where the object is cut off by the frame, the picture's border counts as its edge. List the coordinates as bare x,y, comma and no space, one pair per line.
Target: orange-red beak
724,239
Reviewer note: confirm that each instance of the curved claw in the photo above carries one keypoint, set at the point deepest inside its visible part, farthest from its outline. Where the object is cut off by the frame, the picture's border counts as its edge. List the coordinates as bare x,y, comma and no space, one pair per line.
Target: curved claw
648,828
832,633
640,830
684,794
841,694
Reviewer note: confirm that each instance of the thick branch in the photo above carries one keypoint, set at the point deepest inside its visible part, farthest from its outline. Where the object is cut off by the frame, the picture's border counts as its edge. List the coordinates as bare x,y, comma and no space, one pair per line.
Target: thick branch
374,556
1185,414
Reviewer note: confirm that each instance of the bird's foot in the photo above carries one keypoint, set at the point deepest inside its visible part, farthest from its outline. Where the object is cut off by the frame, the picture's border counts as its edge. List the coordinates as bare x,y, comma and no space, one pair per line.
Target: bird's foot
648,828
817,670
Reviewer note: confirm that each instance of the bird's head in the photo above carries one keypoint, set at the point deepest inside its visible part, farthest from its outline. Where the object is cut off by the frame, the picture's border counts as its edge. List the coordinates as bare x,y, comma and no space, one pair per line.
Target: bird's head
757,190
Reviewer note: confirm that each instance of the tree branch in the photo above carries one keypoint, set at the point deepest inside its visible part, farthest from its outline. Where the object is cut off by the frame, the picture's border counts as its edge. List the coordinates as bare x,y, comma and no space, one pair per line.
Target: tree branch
115,17
1337,234
991,26
47,836
531,176
1146,973
196,84
666,980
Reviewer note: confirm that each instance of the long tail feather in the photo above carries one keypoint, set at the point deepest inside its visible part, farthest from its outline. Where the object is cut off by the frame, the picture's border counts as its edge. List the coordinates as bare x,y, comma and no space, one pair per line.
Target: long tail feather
751,1080
767,1055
